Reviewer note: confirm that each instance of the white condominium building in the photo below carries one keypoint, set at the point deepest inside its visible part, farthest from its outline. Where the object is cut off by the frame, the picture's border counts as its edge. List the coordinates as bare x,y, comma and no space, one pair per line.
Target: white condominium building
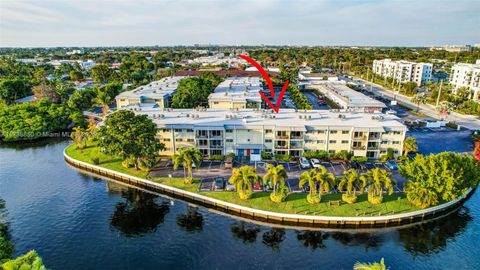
237,92
157,93
404,71
466,75
289,132
347,98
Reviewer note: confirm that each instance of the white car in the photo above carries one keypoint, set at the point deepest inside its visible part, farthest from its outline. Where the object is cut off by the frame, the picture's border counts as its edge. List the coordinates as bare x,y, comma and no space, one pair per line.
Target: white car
391,112
315,162
304,163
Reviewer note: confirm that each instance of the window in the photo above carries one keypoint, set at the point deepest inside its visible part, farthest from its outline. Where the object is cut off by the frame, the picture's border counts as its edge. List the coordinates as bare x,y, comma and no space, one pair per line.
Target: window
166,130
268,140
331,152
397,133
215,102
332,141
384,142
190,140
396,142
268,131
166,139
178,130
179,140
345,132
189,130
333,132
229,140
320,131
229,130
216,133
344,142
321,141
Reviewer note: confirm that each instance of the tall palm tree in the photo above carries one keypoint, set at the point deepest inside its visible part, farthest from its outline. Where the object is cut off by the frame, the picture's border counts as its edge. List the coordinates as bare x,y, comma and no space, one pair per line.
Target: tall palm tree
379,180
370,266
187,157
409,145
242,178
325,179
277,175
310,178
350,179
418,99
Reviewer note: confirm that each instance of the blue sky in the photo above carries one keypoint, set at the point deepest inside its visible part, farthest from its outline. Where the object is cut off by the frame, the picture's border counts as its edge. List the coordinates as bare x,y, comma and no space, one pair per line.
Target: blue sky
141,22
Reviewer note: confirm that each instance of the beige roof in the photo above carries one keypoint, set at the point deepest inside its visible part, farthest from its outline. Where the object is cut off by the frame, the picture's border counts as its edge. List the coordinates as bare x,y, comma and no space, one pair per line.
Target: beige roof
237,89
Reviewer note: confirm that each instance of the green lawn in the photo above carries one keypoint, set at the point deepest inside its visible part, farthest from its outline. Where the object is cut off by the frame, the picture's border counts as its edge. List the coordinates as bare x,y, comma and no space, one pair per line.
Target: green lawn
296,203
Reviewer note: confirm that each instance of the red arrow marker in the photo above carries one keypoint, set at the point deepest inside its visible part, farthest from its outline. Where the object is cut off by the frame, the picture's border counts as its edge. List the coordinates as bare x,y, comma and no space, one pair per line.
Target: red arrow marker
275,107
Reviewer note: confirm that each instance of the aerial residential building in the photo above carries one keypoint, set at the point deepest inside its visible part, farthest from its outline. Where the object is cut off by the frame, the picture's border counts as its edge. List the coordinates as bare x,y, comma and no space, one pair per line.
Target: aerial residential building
346,97
237,92
309,76
248,132
466,75
404,71
156,94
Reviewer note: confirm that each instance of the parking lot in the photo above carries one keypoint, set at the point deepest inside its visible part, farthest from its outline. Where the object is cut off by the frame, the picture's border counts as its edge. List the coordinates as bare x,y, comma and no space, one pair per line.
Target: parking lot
433,140
209,171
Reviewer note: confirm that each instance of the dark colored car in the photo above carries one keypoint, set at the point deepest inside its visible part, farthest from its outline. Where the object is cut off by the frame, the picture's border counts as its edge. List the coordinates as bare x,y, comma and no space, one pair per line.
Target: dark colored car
219,184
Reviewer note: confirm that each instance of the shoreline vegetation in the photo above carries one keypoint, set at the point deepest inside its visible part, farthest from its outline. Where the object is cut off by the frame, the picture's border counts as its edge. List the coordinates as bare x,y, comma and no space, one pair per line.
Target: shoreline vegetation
294,203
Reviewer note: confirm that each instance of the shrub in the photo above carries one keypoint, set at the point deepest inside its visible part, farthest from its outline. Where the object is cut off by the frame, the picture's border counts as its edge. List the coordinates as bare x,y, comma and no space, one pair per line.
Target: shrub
313,198
266,155
231,155
375,199
359,159
128,163
217,157
451,125
280,157
318,154
390,154
95,160
343,155
383,158
349,198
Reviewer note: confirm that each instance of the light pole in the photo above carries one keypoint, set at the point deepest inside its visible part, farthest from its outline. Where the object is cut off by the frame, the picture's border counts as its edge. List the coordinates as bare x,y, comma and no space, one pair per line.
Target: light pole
438,96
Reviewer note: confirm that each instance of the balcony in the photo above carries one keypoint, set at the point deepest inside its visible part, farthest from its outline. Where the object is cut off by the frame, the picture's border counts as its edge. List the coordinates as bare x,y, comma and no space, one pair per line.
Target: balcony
296,137
361,147
216,146
296,147
281,137
363,137
281,146
201,145
373,138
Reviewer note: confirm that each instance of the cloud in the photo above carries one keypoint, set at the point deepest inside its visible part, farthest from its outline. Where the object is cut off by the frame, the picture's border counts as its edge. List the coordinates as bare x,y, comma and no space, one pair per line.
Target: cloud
328,22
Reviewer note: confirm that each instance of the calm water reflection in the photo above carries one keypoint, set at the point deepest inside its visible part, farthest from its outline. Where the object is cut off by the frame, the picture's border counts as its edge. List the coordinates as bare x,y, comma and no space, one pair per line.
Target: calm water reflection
76,221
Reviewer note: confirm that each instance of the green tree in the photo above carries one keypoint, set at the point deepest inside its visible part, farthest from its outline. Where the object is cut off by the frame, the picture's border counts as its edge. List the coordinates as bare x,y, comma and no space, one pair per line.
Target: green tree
326,180
276,176
213,78
419,99
191,93
101,73
420,195
106,95
370,266
31,260
63,90
79,136
129,136
310,178
82,99
378,180
187,157
349,179
12,89
45,91
76,75
409,145
243,178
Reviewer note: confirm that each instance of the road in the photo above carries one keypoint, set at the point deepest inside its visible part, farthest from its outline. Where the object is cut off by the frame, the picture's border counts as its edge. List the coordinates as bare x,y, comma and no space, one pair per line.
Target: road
467,121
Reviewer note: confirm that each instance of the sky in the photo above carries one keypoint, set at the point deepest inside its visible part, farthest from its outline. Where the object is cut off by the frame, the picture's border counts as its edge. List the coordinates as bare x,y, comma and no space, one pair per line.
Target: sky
48,23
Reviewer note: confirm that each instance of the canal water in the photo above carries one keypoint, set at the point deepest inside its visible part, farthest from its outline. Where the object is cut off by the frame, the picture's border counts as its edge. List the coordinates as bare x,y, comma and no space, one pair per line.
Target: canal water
76,221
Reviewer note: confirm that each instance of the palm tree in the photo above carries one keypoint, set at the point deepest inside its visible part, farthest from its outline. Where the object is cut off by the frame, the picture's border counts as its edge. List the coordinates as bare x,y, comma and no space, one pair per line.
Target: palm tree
242,178
419,195
409,145
310,178
277,175
370,266
104,98
350,179
187,157
325,179
418,99
379,180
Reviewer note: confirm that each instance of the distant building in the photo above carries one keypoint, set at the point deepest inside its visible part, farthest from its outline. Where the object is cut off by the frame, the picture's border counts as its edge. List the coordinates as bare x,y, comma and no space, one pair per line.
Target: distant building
308,77
155,94
404,71
348,98
466,75
453,48
237,93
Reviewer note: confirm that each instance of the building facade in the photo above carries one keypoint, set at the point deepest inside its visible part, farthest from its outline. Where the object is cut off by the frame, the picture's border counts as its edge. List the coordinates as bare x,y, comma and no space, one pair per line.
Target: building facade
237,93
289,132
404,71
157,94
466,75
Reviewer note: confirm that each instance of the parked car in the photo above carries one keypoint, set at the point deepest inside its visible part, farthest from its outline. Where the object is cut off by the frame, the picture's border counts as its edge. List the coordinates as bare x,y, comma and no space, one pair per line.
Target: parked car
219,183
393,112
392,164
229,187
304,163
315,162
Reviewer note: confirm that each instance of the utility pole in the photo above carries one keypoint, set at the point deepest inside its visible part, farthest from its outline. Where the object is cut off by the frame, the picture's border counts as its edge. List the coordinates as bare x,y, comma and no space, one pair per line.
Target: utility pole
439,92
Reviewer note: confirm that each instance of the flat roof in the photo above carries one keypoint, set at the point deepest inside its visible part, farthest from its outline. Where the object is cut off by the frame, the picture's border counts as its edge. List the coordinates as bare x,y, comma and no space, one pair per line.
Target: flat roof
155,90
351,97
286,119
238,89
